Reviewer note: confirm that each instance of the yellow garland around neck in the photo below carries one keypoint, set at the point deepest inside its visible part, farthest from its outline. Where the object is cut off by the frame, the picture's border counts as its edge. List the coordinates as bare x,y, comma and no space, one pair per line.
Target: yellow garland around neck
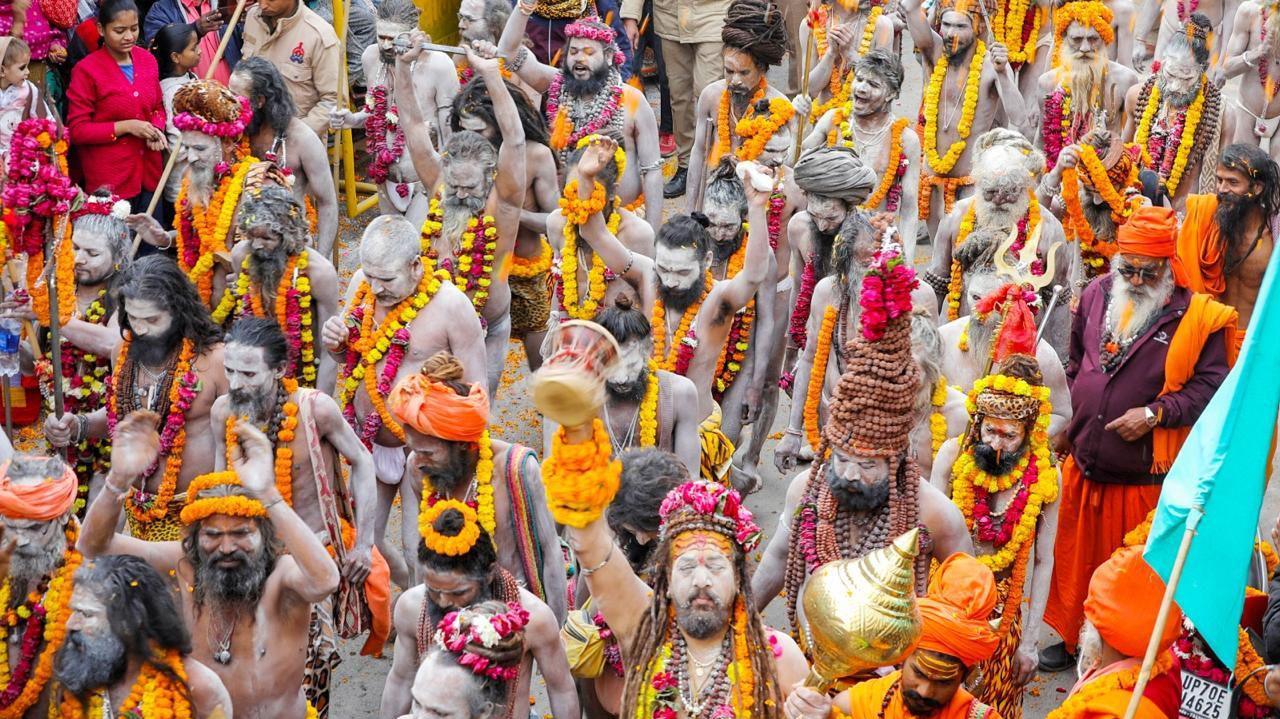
941,165
937,419
649,409
583,308
484,485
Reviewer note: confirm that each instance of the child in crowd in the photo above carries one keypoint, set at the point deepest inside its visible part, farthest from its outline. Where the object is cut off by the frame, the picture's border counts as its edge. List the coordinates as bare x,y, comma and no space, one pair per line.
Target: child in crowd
19,97
176,48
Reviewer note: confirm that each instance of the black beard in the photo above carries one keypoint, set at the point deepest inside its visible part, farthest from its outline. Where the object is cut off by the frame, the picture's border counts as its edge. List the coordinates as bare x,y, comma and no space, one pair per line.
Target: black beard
632,390
388,57
992,462
436,613
86,662
99,280
680,300
722,251
702,623
232,585
267,268
1230,216
589,87
1100,220
857,496
153,351
456,471
920,706
256,404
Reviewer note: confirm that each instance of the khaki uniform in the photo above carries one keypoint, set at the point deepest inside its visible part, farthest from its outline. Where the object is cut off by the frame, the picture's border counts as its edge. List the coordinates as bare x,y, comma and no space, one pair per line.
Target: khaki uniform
690,32
305,49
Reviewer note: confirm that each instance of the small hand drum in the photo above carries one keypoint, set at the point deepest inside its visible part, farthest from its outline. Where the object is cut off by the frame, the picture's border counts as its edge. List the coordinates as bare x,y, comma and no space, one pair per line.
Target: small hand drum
569,387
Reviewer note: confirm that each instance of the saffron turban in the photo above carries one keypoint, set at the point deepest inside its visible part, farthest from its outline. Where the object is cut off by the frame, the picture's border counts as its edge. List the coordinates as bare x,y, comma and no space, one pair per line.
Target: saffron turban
41,501
1152,232
1124,598
957,610
434,409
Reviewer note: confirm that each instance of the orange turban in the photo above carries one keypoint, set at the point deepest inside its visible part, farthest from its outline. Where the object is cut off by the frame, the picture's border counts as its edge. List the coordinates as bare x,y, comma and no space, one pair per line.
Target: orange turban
1124,598
42,502
434,409
1152,232
957,610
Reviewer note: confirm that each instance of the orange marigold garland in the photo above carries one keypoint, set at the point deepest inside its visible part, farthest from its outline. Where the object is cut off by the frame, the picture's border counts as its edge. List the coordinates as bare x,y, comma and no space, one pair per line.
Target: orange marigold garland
203,231
288,421
685,340
159,691
724,142
581,478
818,377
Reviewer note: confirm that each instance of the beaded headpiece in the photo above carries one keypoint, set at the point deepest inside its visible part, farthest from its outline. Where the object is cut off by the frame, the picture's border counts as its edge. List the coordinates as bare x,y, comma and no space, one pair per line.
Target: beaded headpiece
1005,397
873,409
468,627
590,28
234,503
705,507
111,206
449,546
205,106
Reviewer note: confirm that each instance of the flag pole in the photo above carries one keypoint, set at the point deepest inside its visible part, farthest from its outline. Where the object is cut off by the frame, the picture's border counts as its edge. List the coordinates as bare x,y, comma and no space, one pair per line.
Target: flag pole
1166,605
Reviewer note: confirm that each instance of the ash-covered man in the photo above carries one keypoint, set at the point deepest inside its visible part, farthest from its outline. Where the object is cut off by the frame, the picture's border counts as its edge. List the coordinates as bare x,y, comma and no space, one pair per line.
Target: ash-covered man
434,86
693,312
481,187
1253,52
281,278
586,96
393,282
310,437
278,135
171,365
247,570
128,647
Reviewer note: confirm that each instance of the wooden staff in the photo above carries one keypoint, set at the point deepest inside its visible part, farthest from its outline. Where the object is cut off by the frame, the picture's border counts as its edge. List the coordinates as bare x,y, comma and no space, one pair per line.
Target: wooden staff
173,151
55,319
804,78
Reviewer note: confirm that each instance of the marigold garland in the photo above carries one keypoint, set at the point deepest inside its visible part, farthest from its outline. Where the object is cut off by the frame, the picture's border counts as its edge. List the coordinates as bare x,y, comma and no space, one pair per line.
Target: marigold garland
234,505
1158,155
64,268
1027,227
818,377
483,484
1017,26
685,341
938,420
581,478
756,130
734,353
471,266
941,165
649,408
584,308
454,546
530,267
283,442
1124,680
889,190
724,142
159,691
203,231
291,308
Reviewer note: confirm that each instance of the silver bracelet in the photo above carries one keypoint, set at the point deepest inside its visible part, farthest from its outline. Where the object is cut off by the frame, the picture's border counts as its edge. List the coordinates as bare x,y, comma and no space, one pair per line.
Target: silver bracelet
793,432
82,427
518,61
272,503
651,167
631,260
588,572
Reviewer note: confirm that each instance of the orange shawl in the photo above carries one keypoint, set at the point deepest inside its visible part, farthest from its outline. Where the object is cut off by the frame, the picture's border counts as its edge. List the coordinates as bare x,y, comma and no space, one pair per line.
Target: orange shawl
866,698
1200,246
1203,317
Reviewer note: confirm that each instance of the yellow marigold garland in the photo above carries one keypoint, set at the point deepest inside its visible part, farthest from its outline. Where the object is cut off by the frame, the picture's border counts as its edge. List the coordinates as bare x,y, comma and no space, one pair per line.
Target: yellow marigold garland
529,267
818,377
581,479
235,505
1185,142
941,165
155,693
667,357
454,546
212,226
938,420
584,308
484,485
1008,24
649,409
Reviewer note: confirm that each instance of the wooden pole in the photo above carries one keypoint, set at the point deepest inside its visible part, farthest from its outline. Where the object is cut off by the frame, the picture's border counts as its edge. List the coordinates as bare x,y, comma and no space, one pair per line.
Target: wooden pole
55,319
803,125
173,151
1166,605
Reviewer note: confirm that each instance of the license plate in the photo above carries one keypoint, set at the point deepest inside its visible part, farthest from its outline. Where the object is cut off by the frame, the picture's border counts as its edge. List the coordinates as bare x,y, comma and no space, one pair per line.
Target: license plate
1203,699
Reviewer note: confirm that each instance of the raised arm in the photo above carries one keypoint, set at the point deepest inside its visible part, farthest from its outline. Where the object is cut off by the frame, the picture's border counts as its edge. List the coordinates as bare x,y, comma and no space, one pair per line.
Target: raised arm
648,158
633,266
531,70
426,161
512,180
755,263
922,36
1006,88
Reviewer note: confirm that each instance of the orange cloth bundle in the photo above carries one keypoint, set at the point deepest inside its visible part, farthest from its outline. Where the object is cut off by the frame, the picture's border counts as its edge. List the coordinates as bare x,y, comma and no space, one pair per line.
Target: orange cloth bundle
434,409
47,500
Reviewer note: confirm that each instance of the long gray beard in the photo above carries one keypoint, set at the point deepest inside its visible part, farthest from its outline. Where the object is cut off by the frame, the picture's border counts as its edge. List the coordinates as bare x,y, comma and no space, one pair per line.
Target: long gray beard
266,270
457,213
27,570
1179,100
202,184
1086,79
980,334
257,406
989,216
1144,305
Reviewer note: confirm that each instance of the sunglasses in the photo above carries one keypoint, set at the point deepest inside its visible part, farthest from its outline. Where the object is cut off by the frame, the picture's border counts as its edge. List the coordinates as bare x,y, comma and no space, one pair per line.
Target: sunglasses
1146,274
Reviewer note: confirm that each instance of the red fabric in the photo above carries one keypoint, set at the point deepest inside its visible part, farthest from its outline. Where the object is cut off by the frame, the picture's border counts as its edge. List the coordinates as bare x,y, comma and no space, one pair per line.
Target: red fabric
1017,333
192,10
1163,693
1093,518
99,96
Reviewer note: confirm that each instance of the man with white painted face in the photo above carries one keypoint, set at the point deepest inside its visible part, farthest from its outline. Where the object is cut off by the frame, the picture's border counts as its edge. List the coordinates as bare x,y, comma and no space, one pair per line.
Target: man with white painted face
693,311
644,406
1087,86
864,490
392,281
127,644
280,276
888,144
1156,26
306,426
1253,53
481,185
586,96
739,113
1171,100
171,364
247,568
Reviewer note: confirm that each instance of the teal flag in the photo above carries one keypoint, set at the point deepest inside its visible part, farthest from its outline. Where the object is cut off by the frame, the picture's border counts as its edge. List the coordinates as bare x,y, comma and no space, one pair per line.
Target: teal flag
1221,470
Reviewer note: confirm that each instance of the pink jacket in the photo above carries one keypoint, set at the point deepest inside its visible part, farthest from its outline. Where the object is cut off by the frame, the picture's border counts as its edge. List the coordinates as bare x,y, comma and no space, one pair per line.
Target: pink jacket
99,96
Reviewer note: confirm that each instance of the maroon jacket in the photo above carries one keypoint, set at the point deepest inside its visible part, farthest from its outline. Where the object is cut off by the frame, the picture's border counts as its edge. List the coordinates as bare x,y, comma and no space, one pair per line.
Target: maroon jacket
1098,397
100,95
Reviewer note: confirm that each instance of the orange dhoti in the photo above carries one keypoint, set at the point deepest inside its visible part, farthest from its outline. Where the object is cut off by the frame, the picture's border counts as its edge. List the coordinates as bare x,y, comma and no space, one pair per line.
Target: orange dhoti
1093,518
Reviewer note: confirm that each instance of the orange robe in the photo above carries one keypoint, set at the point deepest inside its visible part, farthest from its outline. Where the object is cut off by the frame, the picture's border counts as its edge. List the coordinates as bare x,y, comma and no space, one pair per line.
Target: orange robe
865,700
1093,518
1203,253
1161,699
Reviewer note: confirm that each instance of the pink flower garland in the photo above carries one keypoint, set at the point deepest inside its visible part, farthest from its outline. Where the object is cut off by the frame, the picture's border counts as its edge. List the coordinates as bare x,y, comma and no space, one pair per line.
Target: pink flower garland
590,128
32,638
368,429
804,300
381,153
455,636
1000,534
1052,131
886,293
719,504
174,422
187,121
1037,265
36,188
612,652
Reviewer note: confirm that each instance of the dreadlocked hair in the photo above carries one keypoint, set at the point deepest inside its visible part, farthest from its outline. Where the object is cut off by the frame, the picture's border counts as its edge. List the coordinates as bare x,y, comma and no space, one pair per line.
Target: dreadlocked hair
473,100
756,28
444,368
658,623
856,230
724,188
1194,39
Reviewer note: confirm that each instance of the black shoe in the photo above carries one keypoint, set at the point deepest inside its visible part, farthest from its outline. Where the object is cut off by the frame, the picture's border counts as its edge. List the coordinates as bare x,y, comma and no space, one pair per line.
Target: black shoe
675,186
1056,658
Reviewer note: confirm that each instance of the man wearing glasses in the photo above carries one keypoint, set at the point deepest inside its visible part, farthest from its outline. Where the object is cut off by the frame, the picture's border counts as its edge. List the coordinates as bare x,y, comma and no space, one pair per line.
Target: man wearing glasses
1146,356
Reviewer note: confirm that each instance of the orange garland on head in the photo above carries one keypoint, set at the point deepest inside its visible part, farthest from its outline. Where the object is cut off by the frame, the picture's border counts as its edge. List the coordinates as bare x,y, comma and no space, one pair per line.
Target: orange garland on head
818,377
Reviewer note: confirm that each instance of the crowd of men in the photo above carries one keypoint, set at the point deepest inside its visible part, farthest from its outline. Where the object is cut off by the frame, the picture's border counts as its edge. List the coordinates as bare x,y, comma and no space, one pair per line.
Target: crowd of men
984,326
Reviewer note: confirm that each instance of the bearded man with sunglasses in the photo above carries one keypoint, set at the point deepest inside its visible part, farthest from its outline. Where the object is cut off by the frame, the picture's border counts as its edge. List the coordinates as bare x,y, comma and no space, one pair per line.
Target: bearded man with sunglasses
1146,356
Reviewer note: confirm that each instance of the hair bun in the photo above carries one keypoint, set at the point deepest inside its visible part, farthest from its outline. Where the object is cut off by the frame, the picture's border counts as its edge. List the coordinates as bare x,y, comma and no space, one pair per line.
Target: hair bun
622,301
700,218
442,367
450,523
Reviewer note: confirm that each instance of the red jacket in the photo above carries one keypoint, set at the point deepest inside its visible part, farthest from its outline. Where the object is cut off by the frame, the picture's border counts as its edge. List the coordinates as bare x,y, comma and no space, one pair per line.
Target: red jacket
99,96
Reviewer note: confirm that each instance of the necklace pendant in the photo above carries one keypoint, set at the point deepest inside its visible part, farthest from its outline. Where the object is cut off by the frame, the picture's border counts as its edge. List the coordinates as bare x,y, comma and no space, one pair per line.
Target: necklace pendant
223,656
699,672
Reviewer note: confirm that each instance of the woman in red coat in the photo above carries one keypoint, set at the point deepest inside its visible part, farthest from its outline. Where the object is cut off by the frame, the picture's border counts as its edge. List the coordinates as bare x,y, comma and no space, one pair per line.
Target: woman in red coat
116,110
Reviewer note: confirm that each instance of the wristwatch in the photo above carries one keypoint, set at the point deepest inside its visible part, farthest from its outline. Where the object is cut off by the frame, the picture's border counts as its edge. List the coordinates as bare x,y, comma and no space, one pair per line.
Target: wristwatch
1151,416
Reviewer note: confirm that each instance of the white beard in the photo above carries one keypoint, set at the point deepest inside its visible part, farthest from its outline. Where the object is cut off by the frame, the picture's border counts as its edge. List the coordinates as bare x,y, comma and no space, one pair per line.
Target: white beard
1132,308
988,215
